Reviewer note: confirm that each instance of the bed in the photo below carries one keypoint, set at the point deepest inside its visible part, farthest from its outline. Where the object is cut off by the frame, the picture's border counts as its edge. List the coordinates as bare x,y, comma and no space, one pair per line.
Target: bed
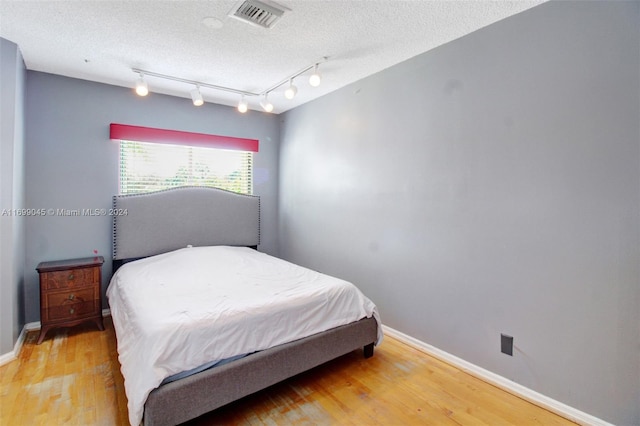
214,235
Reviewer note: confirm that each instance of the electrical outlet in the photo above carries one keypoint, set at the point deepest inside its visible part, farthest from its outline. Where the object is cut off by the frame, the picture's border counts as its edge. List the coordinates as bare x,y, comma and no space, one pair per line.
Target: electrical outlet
506,344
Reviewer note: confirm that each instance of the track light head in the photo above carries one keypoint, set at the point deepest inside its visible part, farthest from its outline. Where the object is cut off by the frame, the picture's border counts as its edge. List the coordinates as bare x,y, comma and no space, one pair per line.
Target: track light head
265,104
242,105
291,91
141,86
315,78
196,97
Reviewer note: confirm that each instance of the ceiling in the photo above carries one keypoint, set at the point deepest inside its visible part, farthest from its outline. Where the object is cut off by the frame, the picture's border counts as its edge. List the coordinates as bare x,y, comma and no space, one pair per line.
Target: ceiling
103,40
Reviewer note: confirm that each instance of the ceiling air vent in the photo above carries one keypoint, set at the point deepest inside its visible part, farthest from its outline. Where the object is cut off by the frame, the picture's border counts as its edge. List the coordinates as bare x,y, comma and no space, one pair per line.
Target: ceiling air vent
257,13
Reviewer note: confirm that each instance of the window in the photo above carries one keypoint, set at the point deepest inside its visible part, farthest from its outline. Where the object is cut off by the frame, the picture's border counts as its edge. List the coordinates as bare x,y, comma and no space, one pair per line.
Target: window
148,166
153,159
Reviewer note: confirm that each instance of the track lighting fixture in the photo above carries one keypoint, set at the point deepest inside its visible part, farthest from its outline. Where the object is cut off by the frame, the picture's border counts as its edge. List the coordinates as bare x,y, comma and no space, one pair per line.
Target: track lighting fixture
242,105
141,86
314,80
196,96
265,104
291,91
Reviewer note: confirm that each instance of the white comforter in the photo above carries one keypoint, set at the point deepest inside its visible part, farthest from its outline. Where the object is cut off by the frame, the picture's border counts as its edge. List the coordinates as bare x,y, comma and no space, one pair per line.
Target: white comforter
179,310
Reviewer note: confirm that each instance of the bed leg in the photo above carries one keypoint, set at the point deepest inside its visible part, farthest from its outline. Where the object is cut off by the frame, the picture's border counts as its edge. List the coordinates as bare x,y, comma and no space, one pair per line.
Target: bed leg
368,350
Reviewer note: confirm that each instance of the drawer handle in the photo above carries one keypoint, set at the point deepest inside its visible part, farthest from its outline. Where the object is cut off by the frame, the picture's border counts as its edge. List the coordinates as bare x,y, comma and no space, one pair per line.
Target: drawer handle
70,277
71,311
72,296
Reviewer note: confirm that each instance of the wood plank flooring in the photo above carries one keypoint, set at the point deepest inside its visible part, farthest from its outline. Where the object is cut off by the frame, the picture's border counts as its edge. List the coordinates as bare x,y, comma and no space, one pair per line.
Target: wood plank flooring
73,378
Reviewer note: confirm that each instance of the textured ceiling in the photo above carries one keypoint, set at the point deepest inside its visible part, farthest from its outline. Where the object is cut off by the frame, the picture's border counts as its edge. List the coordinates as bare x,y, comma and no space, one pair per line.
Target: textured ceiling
102,40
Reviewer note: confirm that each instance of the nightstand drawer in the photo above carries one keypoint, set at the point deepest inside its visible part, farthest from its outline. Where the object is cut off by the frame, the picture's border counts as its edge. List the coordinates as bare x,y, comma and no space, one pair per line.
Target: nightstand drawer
70,278
71,311
69,305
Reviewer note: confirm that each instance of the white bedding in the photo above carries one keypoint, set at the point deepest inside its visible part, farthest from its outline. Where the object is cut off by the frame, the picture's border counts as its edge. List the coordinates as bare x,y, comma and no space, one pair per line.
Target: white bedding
179,310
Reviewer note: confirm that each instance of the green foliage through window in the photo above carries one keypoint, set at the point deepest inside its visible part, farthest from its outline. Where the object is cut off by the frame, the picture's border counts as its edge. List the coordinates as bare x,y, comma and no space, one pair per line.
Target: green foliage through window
148,167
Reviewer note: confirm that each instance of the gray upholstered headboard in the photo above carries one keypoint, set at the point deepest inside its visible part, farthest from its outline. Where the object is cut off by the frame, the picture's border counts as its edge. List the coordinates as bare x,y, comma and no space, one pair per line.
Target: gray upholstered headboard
158,222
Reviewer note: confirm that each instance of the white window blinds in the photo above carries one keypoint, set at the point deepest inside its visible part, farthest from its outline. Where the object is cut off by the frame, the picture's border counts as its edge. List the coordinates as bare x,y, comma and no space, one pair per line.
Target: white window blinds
148,167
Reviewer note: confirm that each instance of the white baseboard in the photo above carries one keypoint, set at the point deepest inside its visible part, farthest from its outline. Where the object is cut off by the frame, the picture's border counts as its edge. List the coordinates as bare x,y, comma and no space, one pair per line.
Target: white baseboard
8,357
30,326
523,392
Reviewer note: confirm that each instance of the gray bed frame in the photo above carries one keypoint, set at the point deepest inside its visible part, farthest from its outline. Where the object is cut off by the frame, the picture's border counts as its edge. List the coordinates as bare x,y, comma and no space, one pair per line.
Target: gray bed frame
157,222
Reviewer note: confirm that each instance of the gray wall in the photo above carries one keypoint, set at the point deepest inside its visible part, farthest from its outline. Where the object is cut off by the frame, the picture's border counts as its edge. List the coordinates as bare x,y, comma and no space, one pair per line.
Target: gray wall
72,164
12,227
490,185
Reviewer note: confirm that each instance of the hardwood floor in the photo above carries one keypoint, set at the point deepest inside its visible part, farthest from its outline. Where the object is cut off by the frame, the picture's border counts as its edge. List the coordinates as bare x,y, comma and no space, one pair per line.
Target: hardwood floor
74,378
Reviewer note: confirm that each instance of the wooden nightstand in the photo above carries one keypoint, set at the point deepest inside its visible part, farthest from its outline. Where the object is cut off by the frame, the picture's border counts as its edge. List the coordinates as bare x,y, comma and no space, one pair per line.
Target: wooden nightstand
70,293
